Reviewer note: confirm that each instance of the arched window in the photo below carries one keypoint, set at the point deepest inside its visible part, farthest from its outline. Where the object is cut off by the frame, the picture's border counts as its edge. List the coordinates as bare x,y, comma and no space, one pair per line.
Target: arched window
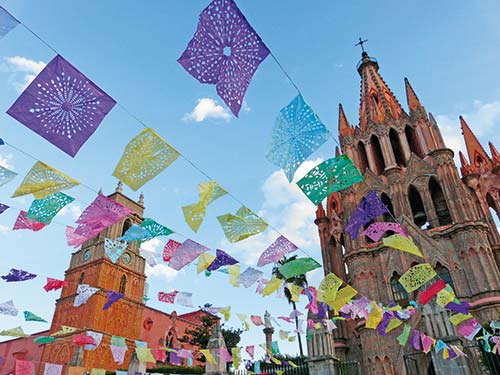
377,155
82,278
444,274
123,284
126,226
363,158
169,343
387,201
399,293
417,207
396,148
439,201
413,142
491,205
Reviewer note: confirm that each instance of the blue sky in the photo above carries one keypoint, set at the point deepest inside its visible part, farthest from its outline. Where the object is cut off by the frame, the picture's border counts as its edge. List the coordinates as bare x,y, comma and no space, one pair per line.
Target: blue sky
448,50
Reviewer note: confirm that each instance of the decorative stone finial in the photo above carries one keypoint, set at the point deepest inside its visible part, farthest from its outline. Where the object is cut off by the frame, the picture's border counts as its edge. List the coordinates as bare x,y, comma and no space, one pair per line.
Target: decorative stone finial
100,191
119,187
141,199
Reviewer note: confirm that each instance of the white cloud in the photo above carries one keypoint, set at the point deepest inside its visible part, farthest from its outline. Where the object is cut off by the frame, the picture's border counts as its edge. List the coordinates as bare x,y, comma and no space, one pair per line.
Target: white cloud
4,229
5,161
288,209
73,210
24,70
207,108
483,119
161,270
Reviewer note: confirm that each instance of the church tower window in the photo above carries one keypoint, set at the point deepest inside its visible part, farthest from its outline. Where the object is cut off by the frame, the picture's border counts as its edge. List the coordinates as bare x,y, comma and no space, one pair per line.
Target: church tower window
491,205
439,201
417,207
396,148
444,274
412,139
126,226
377,154
363,158
387,201
399,293
82,278
123,284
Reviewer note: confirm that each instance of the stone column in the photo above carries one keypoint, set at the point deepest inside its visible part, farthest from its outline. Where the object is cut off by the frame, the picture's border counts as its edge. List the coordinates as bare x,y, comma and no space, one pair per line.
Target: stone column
321,352
268,331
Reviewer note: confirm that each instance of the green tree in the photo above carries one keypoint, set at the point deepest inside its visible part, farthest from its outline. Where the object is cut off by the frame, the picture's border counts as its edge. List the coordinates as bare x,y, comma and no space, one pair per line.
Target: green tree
200,335
299,280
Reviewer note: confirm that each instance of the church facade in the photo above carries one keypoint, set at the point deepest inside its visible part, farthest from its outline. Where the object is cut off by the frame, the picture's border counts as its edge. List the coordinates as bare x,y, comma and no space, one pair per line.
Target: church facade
403,157
129,317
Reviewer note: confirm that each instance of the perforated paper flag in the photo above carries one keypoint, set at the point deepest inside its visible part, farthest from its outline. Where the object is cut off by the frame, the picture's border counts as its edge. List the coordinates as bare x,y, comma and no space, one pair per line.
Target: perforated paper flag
234,274
3,208
62,105
297,267
13,332
118,353
250,276
52,369
84,292
243,319
170,247
112,298
118,341
43,180
96,337
149,256
29,316
397,241
332,175
417,276
82,339
145,156
222,259
155,229
53,284
297,133
327,290
225,51
44,339
194,214
73,239
167,297
22,222
208,356
6,175
65,330
403,337
376,230
7,22
135,233
276,250
45,209
368,209
8,308
242,225
186,253
204,261
114,249
98,371
236,354
24,367
272,286
18,275
257,320
103,211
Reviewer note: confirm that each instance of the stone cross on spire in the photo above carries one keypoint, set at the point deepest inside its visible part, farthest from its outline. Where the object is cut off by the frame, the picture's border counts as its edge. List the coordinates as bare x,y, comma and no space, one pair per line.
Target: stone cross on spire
360,43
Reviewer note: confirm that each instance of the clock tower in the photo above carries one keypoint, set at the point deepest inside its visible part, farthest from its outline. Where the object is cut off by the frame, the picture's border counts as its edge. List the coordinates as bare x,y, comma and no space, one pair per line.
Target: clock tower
89,265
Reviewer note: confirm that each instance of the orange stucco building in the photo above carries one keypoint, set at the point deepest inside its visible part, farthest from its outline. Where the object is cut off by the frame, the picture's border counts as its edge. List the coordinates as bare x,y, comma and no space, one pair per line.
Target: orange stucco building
129,317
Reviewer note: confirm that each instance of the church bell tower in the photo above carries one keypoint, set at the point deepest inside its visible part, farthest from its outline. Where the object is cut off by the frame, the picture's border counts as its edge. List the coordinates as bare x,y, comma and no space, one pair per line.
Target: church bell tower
89,265
403,157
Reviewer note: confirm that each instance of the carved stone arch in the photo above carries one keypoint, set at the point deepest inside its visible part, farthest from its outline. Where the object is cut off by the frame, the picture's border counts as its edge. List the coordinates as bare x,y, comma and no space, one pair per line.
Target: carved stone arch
417,167
372,182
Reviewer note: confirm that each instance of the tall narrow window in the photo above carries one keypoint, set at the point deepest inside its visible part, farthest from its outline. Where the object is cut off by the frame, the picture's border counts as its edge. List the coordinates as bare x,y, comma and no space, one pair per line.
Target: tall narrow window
413,142
126,226
82,278
491,205
444,274
123,284
377,155
363,158
439,201
396,148
387,201
399,293
417,207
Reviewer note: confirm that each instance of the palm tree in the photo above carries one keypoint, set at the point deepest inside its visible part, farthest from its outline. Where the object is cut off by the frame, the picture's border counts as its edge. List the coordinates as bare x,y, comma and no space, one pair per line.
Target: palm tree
299,280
